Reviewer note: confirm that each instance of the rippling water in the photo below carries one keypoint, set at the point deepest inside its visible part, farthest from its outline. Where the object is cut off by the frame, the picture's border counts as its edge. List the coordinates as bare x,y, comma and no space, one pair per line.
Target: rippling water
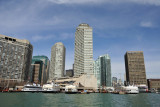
79,100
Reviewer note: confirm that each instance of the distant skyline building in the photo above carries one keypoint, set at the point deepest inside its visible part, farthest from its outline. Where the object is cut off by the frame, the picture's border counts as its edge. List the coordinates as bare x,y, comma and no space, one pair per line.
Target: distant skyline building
83,53
69,73
102,71
135,68
57,63
15,60
114,81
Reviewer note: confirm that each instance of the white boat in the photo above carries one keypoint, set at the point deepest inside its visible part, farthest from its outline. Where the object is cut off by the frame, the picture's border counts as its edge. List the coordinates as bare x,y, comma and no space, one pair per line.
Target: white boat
71,89
51,88
32,88
143,88
131,89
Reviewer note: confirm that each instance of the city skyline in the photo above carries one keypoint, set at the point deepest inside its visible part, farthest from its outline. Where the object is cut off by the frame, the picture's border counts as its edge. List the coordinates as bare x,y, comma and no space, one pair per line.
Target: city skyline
117,27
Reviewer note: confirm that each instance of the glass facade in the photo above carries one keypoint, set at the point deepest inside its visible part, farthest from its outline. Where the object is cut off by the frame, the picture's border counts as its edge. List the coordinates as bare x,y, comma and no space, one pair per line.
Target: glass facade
102,71
42,69
36,71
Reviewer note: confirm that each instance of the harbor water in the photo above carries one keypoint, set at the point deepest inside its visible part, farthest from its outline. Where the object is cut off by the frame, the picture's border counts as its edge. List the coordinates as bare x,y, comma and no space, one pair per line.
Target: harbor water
79,100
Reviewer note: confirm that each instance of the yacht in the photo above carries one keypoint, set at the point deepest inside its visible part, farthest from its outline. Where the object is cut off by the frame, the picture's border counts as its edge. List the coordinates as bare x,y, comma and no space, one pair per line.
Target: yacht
131,89
32,88
71,89
51,88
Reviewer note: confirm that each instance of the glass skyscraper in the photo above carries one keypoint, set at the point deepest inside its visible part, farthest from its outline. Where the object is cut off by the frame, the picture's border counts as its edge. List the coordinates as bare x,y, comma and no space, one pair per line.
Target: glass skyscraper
42,69
102,71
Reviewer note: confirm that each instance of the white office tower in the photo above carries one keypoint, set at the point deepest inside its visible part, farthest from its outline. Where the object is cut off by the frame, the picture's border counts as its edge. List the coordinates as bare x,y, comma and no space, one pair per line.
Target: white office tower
83,56
57,64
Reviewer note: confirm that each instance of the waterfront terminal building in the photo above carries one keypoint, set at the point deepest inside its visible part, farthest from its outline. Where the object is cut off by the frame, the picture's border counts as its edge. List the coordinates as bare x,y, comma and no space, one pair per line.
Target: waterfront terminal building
15,60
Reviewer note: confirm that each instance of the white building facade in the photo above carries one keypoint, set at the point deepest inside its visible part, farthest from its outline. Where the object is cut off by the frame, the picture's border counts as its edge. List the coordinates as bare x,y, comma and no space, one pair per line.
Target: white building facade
83,56
57,63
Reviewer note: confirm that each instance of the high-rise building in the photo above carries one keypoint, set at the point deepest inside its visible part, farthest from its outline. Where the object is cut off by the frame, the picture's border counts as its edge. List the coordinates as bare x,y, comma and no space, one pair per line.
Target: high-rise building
83,56
36,71
43,72
114,81
15,60
69,73
102,71
135,68
57,63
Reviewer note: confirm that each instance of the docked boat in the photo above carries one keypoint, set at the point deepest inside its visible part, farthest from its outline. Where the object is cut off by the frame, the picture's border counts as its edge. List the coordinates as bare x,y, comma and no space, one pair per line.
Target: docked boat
71,89
51,88
32,88
131,89
85,92
143,88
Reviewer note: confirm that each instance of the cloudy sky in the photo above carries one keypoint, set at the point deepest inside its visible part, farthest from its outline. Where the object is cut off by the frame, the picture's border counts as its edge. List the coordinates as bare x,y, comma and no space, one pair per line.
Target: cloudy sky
118,26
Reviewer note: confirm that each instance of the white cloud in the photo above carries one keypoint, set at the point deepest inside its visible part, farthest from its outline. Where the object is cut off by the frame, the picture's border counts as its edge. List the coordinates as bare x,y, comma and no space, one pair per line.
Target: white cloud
150,2
146,24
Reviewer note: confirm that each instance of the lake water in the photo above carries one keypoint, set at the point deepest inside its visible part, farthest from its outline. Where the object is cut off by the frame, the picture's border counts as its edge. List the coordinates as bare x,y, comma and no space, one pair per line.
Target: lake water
79,100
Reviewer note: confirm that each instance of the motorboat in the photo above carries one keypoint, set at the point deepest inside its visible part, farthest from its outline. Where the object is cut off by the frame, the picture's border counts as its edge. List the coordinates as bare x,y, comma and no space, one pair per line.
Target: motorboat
51,88
131,89
143,88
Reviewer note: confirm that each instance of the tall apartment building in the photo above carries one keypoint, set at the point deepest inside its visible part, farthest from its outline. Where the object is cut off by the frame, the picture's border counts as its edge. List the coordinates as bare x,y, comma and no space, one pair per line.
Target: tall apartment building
57,63
102,71
15,60
83,56
135,68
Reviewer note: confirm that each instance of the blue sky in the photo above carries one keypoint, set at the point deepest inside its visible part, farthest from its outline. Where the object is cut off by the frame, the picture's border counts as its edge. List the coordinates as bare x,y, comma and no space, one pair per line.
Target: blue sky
118,26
